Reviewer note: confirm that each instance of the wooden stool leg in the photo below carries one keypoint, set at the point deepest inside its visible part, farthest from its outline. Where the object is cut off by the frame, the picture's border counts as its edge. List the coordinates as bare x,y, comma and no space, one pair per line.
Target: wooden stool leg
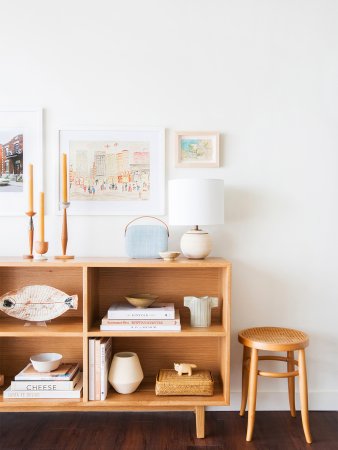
200,419
291,384
303,395
245,378
252,393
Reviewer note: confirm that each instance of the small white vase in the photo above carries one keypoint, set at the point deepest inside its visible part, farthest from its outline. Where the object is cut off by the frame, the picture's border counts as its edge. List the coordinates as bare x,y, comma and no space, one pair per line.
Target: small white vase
200,310
125,374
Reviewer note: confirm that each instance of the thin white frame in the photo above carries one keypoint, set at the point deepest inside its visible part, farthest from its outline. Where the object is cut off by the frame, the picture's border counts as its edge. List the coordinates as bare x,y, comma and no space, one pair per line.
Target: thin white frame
31,121
197,164
154,206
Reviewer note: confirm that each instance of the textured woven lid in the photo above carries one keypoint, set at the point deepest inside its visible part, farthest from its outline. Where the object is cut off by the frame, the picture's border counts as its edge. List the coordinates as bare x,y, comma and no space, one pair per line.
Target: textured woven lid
171,376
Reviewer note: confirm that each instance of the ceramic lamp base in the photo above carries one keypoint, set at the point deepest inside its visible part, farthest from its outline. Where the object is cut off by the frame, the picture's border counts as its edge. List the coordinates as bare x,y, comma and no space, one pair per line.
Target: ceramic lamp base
196,244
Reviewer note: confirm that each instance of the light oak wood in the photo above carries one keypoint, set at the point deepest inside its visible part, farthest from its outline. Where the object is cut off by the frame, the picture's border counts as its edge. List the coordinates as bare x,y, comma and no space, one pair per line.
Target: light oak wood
30,214
245,379
200,420
64,237
98,282
291,383
252,393
304,395
275,339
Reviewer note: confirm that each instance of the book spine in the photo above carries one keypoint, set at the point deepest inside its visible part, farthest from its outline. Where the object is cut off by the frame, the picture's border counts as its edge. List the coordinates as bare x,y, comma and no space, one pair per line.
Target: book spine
140,328
76,393
106,350
97,369
91,395
135,315
39,394
102,365
43,386
22,376
141,322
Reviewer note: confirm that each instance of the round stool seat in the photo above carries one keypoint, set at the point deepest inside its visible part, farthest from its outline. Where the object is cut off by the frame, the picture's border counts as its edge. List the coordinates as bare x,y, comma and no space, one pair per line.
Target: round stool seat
273,339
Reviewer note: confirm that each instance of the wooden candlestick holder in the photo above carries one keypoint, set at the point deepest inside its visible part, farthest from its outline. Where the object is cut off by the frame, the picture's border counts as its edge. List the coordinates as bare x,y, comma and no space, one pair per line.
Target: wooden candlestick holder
41,248
64,234
30,214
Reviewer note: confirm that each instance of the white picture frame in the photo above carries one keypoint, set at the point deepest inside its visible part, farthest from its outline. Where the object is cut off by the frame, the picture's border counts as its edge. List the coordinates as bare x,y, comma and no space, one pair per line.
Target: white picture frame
197,149
94,160
24,125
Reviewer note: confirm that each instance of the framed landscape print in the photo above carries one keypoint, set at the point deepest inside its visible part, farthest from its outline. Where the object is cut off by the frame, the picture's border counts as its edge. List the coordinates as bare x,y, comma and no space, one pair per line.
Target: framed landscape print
20,145
197,149
117,171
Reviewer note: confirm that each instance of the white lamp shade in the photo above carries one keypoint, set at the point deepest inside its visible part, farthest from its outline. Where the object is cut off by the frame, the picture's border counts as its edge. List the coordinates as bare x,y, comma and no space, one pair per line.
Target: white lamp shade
196,202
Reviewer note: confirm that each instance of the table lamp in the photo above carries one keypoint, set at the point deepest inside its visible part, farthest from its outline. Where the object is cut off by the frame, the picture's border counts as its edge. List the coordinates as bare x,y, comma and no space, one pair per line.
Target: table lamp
196,202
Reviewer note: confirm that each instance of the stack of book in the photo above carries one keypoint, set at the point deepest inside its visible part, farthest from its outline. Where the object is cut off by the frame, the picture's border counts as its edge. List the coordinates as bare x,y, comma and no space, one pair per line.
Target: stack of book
64,382
100,355
157,317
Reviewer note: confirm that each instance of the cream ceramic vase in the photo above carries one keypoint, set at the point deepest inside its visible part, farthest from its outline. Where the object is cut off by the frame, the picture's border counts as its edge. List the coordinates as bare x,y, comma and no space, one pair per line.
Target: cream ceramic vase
200,310
125,374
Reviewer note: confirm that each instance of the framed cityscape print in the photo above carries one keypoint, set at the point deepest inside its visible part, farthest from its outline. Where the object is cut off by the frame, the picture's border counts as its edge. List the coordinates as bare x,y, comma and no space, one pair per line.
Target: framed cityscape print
199,149
116,171
20,146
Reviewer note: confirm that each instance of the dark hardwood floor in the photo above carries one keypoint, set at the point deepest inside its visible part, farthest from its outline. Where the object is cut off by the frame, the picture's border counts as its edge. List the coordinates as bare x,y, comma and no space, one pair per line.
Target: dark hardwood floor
162,431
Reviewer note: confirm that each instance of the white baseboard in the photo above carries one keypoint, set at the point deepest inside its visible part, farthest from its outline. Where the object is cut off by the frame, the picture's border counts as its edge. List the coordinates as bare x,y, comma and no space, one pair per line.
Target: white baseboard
279,401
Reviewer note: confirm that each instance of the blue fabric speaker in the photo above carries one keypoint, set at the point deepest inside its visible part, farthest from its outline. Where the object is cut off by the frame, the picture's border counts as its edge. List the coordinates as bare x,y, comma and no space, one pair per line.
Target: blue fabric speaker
146,241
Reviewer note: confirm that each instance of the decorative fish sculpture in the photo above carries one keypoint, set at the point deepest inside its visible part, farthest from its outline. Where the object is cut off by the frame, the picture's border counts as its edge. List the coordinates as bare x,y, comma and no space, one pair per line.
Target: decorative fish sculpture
37,303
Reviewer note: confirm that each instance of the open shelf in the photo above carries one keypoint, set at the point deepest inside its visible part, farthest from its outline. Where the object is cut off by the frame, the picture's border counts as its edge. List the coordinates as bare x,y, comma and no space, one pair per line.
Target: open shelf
215,330
62,326
145,396
99,282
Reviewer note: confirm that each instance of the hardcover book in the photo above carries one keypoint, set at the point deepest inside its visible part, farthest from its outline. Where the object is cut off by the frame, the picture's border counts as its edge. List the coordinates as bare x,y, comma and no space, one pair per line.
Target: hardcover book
155,311
63,372
91,358
75,393
56,385
106,356
131,322
145,327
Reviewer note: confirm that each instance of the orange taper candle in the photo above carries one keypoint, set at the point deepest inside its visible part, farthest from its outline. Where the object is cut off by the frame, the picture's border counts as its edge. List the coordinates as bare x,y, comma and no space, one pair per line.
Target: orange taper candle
30,188
42,217
64,178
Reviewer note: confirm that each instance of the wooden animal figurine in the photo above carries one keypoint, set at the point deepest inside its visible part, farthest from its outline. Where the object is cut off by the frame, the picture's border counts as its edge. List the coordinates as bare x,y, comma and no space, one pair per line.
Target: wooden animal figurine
184,368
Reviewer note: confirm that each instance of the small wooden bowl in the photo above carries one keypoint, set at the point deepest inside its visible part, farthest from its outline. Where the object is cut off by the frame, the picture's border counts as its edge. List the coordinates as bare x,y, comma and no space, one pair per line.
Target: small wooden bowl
142,300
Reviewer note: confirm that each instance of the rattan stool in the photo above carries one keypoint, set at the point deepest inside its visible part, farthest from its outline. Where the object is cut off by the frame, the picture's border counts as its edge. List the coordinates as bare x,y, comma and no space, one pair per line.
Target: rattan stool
276,340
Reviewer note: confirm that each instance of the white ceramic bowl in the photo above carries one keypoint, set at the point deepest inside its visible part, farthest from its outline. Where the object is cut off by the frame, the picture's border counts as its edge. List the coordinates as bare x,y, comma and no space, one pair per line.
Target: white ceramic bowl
169,256
46,362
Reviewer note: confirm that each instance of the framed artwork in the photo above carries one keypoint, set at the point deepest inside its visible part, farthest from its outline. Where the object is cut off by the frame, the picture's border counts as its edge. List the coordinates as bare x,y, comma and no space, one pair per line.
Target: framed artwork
20,145
197,149
115,171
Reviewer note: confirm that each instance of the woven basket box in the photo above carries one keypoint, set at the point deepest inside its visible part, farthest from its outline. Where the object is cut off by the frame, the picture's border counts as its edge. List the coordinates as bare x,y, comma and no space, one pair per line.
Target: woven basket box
168,382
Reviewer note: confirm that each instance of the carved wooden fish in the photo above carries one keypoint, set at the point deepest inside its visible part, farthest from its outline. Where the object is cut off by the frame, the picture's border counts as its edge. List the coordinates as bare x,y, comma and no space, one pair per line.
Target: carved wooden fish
37,303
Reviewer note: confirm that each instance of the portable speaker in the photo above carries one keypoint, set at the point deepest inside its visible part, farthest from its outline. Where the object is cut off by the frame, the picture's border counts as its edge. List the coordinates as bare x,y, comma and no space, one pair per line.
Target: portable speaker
146,241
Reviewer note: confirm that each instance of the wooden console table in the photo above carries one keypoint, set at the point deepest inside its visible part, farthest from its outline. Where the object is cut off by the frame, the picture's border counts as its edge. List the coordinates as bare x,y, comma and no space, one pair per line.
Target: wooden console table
99,282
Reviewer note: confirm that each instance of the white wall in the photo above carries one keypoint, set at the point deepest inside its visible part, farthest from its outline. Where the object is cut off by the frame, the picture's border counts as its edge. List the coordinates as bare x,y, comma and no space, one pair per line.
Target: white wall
262,72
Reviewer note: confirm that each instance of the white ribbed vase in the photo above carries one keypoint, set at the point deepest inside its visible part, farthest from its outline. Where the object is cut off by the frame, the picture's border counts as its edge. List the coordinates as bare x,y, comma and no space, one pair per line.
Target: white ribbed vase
200,310
125,374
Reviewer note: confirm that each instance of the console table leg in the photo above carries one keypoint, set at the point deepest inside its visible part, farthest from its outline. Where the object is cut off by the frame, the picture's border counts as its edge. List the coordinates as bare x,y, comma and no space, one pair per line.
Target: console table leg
200,415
